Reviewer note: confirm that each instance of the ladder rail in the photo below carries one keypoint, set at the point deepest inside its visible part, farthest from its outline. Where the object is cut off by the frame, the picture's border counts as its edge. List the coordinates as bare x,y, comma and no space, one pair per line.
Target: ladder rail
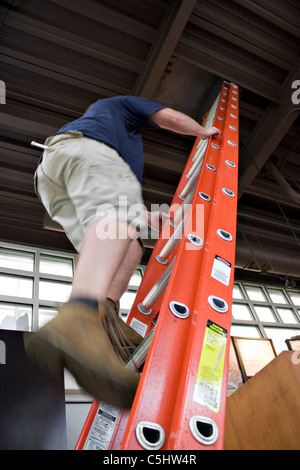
217,329
172,380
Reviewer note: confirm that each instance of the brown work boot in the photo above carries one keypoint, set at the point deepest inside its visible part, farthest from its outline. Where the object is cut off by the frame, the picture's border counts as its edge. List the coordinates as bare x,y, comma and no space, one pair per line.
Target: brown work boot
124,338
76,339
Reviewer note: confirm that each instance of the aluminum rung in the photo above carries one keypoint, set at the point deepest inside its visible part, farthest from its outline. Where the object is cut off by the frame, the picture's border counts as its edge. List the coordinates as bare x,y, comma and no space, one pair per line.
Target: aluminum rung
156,291
182,211
171,244
138,358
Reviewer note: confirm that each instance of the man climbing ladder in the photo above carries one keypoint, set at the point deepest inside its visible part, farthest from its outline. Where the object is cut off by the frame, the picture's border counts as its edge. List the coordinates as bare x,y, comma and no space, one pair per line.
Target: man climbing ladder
93,162
186,292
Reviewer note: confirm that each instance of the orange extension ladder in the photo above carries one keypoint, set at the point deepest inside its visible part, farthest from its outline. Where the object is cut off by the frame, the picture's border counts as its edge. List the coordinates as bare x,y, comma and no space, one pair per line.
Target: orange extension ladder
183,309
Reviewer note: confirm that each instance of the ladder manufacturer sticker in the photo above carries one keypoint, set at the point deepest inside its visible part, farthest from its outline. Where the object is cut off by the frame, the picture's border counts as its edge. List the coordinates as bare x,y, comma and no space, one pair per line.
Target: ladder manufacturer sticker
210,371
102,428
221,270
138,326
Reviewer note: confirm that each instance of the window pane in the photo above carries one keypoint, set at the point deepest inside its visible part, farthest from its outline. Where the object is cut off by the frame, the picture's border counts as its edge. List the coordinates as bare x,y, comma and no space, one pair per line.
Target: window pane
16,286
241,312
56,265
277,296
127,300
16,259
255,354
54,291
237,293
136,279
255,293
15,317
279,335
45,315
245,331
295,298
265,314
287,315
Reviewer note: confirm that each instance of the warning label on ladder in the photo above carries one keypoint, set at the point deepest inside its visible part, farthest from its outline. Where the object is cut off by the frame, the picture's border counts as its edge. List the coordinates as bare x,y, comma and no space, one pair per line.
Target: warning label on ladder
221,270
139,326
102,428
210,371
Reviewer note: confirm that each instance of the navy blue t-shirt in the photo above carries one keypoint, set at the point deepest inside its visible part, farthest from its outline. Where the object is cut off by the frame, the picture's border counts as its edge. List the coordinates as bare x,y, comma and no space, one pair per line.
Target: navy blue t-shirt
117,122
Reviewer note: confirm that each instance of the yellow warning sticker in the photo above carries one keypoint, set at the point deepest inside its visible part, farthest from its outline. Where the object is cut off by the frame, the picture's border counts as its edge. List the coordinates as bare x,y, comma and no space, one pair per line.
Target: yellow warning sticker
210,371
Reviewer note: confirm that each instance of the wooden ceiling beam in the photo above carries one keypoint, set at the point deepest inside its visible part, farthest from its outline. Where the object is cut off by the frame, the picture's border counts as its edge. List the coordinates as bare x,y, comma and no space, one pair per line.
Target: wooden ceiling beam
268,133
168,36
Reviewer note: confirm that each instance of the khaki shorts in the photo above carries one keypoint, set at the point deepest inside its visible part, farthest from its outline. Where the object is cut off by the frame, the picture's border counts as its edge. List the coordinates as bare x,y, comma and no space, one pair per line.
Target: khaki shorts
81,181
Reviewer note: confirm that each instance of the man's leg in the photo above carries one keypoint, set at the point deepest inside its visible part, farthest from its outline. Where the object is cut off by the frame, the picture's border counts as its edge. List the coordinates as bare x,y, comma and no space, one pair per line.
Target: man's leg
130,339
82,338
125,270
103,273
99,262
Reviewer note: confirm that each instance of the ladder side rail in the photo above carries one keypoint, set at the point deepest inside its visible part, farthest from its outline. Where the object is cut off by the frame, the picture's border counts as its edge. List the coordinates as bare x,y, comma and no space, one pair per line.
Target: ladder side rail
194,410
87,425
156,394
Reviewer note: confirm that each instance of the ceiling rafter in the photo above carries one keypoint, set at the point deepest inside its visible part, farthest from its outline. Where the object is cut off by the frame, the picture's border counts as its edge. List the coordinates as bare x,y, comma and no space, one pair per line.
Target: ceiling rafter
163,47
268,133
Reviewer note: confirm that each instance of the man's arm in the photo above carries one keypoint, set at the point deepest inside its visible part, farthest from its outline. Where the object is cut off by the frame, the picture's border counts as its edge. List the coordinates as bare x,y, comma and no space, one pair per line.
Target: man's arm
175,121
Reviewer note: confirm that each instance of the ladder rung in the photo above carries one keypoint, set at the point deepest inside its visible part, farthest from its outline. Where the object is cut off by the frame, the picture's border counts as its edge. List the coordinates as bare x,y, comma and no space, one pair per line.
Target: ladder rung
183,209
197,163
156,291
171,244
190,185
139,356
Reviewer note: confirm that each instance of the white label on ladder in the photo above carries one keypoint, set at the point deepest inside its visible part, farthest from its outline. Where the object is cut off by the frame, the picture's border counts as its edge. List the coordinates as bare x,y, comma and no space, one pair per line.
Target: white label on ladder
138,326
102,428
221,270
210,371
